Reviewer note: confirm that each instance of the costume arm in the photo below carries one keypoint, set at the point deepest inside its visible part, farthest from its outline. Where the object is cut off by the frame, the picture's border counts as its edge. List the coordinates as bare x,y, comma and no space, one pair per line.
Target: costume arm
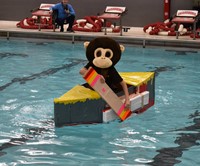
126,93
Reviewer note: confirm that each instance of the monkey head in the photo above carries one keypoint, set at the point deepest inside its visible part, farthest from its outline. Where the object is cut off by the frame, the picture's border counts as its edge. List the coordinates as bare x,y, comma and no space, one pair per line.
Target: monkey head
103,52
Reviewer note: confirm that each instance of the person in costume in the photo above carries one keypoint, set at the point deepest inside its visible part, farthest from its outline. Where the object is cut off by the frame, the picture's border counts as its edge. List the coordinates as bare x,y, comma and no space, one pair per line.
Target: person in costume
103,53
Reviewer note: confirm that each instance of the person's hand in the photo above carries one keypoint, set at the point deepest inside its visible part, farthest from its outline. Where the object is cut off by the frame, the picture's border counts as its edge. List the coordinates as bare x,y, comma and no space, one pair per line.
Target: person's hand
102,79
67,11
127,104
50,11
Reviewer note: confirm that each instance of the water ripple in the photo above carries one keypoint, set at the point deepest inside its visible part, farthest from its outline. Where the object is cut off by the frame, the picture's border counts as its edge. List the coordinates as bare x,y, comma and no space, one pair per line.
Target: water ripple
152,139
131,143
120,151
142,160
33,152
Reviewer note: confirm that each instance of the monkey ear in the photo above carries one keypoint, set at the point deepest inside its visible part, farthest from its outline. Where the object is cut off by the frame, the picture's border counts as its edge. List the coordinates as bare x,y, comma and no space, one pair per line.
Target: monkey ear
122,48
86,44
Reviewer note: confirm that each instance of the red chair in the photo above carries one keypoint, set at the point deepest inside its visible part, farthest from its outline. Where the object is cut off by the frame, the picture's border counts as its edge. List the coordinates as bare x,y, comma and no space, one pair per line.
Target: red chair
42,11
113,13
186,17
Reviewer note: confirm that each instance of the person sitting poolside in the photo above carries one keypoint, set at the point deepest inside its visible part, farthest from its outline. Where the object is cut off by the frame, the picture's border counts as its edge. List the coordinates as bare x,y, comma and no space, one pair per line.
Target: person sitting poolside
65,12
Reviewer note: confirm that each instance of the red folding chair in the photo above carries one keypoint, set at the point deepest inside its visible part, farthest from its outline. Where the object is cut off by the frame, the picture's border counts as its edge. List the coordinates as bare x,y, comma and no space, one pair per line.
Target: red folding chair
42,11
113,13
186,17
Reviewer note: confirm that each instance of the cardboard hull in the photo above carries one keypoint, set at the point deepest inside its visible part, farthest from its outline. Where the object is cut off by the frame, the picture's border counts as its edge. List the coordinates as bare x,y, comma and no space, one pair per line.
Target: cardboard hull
81,105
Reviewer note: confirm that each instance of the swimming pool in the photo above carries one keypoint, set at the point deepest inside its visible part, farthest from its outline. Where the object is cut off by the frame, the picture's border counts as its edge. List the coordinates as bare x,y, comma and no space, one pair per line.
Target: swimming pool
34,72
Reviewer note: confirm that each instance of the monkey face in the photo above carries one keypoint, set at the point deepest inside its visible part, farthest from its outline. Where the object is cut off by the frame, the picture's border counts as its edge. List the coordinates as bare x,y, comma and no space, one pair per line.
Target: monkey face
102,58
103,52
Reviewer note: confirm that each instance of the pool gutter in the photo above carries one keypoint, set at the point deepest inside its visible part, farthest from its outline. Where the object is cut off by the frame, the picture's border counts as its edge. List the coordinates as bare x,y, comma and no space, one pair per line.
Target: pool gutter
142,39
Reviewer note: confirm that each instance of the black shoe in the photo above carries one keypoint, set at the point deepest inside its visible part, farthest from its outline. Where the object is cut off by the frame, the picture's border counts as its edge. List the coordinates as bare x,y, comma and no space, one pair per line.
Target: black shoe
70,30
61,29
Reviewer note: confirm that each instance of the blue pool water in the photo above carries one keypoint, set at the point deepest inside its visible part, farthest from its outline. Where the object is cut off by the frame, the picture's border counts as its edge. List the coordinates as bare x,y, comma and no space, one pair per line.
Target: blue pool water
33,73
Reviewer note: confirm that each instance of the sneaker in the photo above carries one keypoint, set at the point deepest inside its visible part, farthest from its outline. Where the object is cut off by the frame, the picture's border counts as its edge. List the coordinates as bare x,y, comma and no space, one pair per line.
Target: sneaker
61,30
70,30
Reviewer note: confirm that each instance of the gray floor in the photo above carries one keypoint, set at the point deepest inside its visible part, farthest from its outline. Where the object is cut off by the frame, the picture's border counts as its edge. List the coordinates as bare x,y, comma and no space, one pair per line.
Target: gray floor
135,35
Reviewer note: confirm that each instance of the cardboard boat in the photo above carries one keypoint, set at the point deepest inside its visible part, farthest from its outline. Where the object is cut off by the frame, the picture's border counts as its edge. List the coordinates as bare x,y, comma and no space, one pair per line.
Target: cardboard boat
81,105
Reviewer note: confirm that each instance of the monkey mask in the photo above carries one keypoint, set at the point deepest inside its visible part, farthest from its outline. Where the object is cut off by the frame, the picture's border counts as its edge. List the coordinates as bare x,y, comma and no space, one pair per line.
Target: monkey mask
103,52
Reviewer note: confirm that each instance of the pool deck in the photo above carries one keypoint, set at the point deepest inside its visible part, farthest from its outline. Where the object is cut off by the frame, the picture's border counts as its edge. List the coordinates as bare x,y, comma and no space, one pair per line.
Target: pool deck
135,35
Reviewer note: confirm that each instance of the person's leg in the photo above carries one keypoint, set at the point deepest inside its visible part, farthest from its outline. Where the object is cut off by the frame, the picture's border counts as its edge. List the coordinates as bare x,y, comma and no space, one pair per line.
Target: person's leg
60,22
70,21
